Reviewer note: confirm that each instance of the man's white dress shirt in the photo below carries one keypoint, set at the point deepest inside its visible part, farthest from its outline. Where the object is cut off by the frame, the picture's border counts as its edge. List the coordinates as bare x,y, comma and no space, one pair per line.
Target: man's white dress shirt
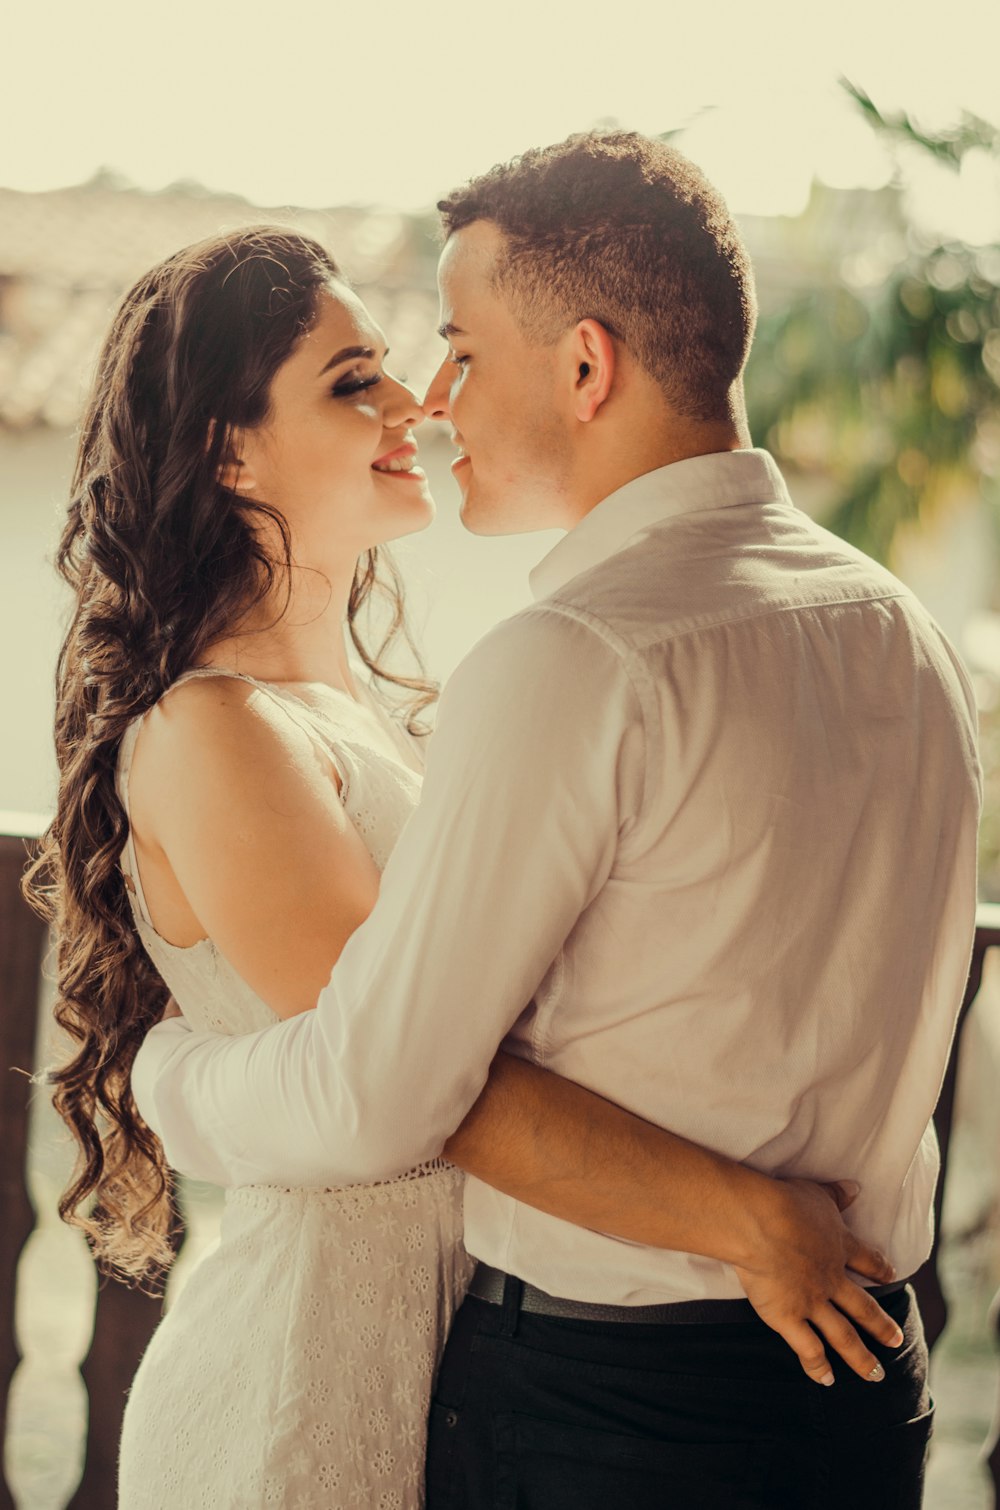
710,806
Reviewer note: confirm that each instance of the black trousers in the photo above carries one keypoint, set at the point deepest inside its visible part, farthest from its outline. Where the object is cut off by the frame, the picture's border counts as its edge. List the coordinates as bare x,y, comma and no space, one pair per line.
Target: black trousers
539,1413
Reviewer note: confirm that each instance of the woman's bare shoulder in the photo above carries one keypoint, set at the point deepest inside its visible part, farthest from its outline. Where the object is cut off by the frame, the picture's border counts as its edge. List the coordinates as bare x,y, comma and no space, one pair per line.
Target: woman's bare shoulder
222,715
225,740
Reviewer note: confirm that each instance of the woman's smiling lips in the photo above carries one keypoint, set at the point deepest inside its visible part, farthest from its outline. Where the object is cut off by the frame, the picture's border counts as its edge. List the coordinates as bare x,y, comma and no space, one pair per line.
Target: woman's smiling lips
402,462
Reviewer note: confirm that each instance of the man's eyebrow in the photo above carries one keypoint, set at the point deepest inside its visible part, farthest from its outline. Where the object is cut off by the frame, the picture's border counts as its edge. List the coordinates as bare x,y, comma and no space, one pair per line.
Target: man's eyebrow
449,330
348,354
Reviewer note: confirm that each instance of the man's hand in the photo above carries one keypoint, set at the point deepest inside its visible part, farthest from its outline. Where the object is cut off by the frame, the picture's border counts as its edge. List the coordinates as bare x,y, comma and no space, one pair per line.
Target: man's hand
800,1286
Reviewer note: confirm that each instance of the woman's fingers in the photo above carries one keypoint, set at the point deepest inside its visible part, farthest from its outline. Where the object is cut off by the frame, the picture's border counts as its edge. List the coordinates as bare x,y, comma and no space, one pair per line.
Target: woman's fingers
864,1259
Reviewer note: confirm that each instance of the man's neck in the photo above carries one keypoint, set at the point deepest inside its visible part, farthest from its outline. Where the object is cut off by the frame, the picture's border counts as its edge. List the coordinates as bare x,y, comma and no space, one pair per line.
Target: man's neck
636,455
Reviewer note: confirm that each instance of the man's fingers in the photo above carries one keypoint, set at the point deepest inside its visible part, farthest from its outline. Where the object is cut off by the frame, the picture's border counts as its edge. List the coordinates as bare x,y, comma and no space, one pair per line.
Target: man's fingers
863,1309
840,1334
868,1261
807,1347
843,1192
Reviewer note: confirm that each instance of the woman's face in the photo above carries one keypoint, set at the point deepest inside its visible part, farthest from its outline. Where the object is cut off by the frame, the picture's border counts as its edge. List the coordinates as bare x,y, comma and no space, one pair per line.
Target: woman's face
336,453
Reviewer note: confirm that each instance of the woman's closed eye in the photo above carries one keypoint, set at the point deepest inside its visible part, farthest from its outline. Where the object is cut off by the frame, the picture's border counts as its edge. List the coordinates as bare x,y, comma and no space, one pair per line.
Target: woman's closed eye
355,383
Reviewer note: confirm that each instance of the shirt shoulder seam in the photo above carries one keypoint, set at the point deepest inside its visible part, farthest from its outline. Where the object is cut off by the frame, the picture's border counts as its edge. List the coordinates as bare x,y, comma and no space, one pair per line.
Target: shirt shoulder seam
689,626
772,610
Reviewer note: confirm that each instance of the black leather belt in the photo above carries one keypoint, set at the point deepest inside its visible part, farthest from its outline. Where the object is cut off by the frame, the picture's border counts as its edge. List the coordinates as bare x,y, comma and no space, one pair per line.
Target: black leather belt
489,1284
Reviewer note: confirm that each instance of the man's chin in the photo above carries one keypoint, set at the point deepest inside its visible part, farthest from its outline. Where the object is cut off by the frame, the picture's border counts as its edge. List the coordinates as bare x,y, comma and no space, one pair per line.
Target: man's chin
489,525
477,519
485,513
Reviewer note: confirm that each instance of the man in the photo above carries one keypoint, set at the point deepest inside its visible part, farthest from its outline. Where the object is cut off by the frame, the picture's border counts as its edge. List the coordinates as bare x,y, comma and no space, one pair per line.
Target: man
710,806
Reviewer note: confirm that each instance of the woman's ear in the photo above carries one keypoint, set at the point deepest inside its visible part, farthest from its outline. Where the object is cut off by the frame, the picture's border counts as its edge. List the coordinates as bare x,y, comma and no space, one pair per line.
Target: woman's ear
594,362
236,476
234,473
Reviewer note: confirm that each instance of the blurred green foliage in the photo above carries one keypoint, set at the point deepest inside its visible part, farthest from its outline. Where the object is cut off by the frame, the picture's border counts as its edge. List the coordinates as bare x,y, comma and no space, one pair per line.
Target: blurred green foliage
892,389
883,377
989,830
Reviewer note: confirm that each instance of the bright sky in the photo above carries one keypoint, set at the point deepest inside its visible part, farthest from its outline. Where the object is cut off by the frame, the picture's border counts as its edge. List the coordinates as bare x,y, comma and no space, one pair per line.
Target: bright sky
298,102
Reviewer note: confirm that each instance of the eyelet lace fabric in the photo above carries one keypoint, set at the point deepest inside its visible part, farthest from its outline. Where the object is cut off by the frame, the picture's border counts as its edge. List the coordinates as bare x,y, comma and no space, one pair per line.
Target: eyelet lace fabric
295,1366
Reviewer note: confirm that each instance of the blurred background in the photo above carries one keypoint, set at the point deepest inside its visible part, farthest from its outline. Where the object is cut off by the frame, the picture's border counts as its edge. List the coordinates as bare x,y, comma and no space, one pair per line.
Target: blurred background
860,151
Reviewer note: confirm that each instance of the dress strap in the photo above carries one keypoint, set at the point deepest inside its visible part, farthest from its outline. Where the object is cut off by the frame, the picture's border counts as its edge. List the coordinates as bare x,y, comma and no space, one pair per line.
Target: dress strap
293,707
129,859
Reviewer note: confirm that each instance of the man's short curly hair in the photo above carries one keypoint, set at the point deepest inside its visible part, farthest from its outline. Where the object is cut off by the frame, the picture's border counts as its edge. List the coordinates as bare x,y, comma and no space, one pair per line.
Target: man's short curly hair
623,229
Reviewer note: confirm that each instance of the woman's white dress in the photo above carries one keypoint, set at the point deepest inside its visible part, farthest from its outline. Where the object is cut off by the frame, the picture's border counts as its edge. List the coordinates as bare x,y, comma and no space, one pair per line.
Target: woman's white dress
296,1365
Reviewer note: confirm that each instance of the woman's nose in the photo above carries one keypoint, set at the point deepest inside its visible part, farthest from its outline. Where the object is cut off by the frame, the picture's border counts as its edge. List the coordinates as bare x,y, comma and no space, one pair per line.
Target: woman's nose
403,408
437,403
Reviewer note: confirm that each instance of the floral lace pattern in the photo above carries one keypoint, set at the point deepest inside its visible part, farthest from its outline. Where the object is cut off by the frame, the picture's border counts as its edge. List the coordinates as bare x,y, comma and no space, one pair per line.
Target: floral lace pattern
296,1365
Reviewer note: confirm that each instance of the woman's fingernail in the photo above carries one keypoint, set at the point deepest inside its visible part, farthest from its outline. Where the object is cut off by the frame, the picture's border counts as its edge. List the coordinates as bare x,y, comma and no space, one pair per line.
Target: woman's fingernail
896,1340
827,1379
877,1373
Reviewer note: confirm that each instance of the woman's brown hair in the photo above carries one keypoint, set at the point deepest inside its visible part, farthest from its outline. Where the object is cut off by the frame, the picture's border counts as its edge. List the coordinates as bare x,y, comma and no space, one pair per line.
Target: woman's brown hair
163,560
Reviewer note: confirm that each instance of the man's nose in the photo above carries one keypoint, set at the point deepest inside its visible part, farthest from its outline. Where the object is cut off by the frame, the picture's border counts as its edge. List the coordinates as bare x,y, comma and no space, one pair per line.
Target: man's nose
437,398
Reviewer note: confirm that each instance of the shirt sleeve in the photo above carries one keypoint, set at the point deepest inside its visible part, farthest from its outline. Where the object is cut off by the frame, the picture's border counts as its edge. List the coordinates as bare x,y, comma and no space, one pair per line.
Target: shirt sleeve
534,772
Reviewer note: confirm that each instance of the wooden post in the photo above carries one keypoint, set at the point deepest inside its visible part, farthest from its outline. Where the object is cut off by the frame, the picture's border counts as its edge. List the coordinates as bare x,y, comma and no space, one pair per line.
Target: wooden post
991,1452
124,1318
22,941
927,1280
124,1321
988,937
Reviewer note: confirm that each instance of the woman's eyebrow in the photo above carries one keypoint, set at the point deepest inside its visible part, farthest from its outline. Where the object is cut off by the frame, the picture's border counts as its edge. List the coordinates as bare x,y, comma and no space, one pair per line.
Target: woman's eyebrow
349,354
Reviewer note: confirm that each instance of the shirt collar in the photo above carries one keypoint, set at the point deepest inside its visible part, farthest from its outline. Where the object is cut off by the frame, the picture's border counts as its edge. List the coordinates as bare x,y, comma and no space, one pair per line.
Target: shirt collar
685,487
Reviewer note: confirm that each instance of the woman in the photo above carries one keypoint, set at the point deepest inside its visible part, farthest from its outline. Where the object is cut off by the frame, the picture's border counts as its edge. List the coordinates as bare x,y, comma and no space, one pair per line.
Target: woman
230,789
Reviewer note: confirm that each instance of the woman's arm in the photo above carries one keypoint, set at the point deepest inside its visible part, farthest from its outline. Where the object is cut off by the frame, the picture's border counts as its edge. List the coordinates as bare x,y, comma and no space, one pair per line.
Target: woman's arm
556,1146
241,836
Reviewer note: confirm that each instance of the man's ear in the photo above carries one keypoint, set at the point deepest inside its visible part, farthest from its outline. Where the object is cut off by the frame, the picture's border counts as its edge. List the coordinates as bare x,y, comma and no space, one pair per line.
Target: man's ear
594,361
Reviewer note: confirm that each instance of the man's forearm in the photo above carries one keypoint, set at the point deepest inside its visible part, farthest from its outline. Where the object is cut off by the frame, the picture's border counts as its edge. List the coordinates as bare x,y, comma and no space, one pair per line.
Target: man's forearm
552,1144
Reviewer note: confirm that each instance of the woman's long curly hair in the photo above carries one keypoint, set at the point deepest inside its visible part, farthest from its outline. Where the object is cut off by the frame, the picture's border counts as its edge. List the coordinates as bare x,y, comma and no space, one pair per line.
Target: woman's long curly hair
164,561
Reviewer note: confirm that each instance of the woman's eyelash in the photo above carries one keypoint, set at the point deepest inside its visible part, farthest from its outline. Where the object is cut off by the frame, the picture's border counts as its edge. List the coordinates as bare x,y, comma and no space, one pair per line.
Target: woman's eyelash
456,359
356,385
